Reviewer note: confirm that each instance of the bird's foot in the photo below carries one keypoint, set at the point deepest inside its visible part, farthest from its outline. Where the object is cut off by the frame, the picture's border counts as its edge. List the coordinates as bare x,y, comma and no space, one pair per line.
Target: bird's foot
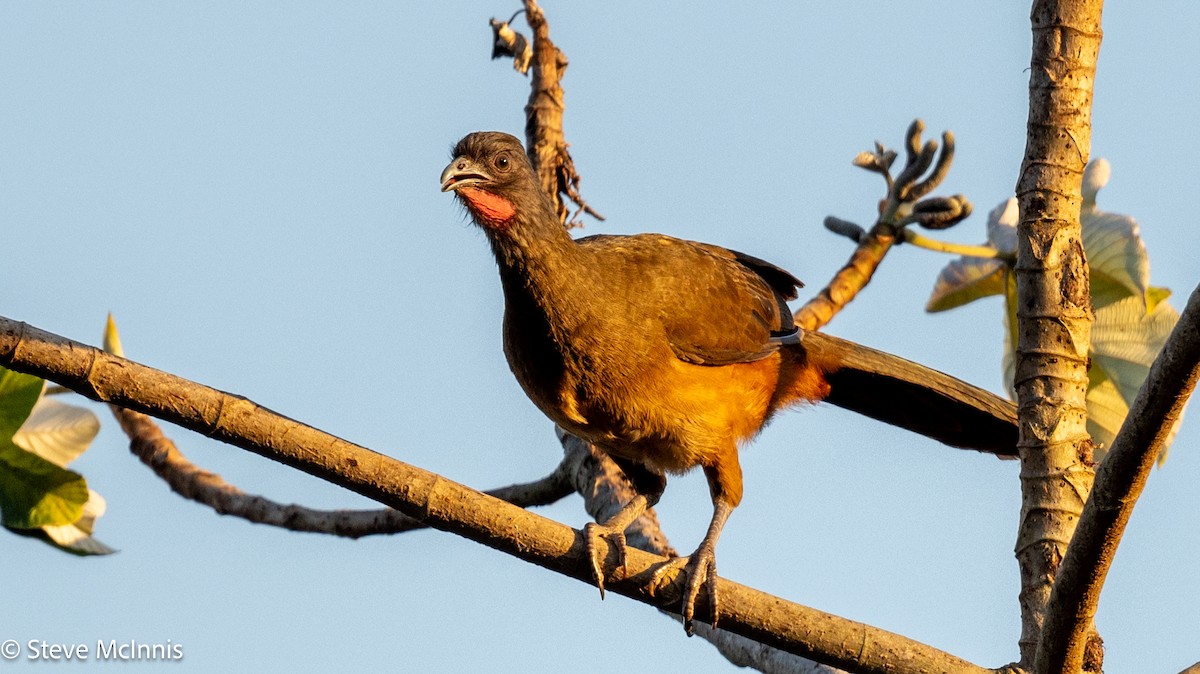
616,537
701,570
614,530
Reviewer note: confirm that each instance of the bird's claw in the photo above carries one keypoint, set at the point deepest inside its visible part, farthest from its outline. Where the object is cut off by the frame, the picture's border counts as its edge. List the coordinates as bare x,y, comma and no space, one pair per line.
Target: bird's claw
701,568
592,533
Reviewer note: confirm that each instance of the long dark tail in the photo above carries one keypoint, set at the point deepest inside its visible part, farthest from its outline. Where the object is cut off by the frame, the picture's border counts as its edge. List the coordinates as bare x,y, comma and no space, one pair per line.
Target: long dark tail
905,394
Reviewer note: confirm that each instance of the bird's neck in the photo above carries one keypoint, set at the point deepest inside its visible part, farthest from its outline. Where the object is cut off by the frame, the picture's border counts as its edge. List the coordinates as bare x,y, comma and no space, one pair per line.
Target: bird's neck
542,268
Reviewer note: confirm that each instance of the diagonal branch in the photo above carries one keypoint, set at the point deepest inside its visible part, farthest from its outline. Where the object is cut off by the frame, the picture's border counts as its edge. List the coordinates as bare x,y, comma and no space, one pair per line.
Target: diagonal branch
447,505
1119,483
147,442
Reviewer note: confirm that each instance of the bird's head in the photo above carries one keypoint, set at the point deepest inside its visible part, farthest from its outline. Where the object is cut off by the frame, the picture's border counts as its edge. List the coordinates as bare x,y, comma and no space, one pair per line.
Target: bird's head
492,176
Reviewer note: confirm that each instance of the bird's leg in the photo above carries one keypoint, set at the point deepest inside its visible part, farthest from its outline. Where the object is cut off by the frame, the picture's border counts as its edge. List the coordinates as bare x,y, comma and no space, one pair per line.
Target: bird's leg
650,486
725,484
701,567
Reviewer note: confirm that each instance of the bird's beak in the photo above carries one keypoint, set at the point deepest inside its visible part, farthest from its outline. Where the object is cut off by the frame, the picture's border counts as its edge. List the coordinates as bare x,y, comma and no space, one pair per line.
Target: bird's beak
462,172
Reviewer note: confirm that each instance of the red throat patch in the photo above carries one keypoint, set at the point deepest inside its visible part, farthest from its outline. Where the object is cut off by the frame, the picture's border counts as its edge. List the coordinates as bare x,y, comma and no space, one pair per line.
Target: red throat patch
489,209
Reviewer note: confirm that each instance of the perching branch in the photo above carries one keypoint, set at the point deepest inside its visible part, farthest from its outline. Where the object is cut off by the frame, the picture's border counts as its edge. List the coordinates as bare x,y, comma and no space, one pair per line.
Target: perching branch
1119,483
446,505
147,442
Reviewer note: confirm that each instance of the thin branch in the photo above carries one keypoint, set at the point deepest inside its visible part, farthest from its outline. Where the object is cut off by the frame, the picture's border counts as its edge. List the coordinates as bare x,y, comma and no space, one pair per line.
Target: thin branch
895,211
545,143
447,505
1119,482
147,442
849,280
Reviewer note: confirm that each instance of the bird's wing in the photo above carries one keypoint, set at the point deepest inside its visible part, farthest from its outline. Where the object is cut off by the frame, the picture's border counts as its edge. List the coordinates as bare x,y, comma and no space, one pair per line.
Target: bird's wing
716,306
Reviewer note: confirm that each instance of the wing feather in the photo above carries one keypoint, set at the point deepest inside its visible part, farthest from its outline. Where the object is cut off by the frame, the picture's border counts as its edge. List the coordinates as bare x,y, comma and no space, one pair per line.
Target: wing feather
716,306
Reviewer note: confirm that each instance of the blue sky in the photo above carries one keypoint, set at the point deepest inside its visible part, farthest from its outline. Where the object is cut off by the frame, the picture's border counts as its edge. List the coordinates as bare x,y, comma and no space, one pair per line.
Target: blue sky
251,189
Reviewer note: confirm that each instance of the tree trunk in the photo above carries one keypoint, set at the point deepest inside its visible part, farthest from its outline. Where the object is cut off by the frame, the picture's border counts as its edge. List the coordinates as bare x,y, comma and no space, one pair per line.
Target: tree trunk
1054,312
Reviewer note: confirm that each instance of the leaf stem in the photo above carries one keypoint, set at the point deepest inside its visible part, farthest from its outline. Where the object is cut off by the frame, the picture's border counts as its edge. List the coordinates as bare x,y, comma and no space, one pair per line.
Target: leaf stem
965,250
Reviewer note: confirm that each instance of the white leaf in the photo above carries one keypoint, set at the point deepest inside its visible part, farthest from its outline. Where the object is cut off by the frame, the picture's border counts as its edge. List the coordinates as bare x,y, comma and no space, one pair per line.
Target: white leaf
1002,227
1126,340
57,432
75,539
1117,258
965,280
1095,176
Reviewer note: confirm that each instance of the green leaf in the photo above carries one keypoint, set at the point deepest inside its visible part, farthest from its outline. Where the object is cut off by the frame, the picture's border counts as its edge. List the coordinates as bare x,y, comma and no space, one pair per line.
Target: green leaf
1155,295
1106,412
18,394
1008,364
1127,336
38,438
1126,340
77,538
34,492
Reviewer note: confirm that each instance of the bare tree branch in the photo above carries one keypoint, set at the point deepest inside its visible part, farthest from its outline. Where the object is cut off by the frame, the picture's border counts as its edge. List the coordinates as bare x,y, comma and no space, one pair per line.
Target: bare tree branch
1054,314
450,506
898,208
147,442
545,142
1119,483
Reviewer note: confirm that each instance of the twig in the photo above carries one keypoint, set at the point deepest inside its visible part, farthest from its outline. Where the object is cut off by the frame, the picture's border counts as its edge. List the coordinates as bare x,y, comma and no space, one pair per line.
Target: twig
157,451
546,145
1120,480
898,209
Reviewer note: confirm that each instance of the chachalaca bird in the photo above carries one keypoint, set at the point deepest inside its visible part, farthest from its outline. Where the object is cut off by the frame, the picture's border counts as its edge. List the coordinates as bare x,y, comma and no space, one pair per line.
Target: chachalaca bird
668,354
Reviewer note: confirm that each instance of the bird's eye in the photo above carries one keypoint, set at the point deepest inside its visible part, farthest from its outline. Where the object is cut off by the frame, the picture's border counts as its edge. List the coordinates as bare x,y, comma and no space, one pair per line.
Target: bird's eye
502,163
